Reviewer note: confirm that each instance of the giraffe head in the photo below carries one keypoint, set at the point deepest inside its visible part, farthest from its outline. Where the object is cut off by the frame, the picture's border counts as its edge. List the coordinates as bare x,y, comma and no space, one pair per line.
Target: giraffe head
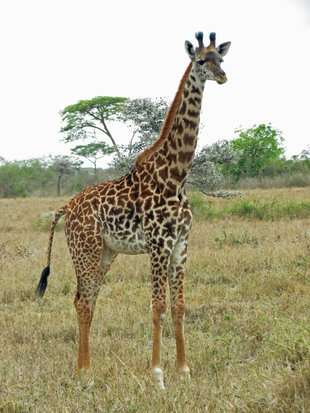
207,60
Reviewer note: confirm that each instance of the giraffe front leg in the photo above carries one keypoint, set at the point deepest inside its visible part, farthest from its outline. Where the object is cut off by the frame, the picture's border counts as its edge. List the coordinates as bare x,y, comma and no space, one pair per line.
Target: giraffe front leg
157,316
177,310
159,279
176,276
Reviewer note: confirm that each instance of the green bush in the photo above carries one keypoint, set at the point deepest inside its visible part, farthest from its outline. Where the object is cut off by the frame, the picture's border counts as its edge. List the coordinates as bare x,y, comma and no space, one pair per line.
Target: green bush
199,206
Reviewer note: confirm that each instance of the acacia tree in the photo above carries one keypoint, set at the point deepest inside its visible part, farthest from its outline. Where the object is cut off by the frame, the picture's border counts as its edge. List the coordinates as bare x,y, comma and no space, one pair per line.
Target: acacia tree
89,115
92,152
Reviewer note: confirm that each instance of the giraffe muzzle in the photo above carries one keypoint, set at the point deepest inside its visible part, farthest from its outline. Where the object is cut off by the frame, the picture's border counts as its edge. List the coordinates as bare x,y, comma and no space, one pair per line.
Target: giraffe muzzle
222,79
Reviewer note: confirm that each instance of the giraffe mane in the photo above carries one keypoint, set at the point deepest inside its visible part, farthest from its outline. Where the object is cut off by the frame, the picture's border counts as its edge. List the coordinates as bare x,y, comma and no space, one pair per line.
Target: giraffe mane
167,125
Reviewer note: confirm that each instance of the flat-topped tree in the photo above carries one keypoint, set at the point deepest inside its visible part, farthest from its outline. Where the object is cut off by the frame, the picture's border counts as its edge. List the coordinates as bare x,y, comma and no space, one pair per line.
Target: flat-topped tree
88,115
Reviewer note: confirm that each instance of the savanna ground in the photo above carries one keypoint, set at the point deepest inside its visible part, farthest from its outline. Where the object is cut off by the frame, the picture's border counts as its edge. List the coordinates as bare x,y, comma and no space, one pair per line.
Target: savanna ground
247,324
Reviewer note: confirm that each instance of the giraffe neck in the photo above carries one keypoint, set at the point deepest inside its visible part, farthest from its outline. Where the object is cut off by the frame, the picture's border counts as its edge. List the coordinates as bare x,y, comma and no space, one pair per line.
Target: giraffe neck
167,125
176,153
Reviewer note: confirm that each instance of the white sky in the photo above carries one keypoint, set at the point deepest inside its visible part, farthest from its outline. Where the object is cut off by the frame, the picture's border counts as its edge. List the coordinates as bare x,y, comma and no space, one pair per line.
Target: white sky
57,52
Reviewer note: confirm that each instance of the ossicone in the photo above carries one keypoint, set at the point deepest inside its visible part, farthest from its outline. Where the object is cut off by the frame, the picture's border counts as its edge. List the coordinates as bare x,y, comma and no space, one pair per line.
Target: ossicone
212,38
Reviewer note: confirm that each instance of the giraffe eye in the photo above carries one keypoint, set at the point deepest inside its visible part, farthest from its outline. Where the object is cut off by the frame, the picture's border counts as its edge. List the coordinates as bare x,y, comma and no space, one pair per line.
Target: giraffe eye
200,62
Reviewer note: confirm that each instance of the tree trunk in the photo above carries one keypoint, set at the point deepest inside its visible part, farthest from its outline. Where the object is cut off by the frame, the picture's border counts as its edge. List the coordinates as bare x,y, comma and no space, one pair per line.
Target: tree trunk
58,184
95,172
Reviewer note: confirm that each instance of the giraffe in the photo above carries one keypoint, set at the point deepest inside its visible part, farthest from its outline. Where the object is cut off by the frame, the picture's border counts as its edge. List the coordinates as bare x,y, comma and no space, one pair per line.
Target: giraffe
145,211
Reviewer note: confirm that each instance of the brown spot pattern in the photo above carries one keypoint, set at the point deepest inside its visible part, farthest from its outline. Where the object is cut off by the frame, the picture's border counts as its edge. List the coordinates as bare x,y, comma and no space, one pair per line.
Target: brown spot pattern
145,211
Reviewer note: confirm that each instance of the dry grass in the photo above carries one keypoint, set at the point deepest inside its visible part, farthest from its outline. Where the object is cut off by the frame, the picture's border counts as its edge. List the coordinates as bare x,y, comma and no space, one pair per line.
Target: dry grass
247,321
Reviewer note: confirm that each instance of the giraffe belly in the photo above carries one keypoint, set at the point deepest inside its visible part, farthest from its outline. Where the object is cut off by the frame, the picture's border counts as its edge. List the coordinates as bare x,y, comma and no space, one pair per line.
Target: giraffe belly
132,245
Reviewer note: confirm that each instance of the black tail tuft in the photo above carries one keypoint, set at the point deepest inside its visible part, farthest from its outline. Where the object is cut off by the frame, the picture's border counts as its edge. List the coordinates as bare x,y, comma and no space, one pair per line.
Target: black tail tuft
43,282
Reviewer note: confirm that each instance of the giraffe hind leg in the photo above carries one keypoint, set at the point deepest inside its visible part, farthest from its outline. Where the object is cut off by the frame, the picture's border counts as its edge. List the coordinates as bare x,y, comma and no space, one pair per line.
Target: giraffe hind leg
91,261
84,315
85,301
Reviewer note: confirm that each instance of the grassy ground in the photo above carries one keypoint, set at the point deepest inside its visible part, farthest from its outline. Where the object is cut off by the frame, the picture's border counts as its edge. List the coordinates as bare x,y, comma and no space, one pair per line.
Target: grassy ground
247,324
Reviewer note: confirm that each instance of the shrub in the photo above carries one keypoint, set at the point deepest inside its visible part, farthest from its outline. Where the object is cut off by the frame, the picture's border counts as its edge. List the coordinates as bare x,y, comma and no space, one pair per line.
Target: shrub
199,206
298,179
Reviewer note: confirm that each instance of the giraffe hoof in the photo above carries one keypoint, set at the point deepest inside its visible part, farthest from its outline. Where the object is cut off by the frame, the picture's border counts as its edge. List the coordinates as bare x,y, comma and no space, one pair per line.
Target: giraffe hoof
91,383
86,374
86,378
159,377
185,373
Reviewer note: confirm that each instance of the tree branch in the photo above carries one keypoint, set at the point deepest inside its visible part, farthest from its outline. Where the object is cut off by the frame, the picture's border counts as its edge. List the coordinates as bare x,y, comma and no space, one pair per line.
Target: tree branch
108,133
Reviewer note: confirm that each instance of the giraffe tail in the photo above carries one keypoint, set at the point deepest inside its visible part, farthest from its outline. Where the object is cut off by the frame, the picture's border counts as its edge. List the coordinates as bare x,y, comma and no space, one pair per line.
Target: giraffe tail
40,290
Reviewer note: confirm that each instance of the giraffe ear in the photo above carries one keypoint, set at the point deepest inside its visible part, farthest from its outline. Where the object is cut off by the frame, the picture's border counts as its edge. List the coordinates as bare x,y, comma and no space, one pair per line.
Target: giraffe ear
223,48
190,50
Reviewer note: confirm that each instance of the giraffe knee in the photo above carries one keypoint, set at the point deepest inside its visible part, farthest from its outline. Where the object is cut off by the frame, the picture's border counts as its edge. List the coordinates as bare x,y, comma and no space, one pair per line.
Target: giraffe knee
163,316
76,299
158,311
83,309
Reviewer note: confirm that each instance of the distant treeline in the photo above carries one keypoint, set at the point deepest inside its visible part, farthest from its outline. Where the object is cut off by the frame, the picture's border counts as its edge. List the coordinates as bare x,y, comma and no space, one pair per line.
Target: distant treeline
37,177
61,176
278,173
